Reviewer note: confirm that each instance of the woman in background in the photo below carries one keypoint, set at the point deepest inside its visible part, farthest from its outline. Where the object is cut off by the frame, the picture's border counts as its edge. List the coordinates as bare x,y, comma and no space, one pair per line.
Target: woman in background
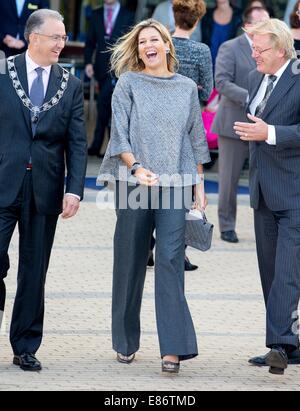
194,57
220,24
295,25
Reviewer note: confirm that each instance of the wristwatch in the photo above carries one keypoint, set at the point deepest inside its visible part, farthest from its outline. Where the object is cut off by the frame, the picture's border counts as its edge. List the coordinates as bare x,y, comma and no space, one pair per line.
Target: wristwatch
135,166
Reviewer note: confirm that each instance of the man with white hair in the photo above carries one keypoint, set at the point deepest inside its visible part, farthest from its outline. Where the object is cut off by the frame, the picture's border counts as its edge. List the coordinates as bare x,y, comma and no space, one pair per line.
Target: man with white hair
274,136
233,65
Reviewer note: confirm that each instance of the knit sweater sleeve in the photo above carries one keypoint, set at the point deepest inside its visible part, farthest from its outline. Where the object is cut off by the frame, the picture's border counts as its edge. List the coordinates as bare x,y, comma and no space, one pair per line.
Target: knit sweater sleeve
121,110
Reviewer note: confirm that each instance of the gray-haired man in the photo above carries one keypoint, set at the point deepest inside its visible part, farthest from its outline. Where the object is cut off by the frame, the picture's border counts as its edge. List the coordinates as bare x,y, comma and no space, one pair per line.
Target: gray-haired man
48,105
234,63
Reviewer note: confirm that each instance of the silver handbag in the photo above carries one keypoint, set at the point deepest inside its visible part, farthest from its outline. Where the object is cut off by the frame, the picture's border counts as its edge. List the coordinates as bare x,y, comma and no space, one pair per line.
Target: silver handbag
198,232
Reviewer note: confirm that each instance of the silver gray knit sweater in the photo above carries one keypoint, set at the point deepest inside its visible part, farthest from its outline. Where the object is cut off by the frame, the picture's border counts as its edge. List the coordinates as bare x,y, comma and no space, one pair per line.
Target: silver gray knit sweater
159,121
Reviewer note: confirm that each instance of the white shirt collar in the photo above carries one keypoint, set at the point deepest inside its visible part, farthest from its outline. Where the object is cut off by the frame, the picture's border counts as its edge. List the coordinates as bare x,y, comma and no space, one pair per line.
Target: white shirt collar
116,7
249,40
31,65
280,72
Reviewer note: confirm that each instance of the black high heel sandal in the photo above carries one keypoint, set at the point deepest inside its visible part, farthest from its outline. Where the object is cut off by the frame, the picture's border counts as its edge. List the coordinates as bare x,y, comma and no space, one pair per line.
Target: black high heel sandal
170,367
125,359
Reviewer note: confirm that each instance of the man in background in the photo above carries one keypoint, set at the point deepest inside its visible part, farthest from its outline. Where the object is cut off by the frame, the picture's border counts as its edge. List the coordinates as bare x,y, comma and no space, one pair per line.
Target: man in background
13,17
108,24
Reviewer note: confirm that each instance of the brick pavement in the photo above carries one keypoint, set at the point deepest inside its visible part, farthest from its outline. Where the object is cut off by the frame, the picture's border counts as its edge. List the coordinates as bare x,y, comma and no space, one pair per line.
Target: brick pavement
224,296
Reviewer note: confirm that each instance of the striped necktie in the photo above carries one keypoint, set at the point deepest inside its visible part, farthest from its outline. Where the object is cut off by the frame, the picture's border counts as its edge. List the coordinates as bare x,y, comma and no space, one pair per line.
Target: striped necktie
262,105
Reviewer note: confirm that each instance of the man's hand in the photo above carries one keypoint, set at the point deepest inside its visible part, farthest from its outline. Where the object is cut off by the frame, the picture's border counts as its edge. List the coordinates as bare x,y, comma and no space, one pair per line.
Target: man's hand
257,131
89,70
13,43
70,206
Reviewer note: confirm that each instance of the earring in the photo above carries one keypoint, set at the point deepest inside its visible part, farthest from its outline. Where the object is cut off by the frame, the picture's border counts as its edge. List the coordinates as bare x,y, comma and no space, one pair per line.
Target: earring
168,51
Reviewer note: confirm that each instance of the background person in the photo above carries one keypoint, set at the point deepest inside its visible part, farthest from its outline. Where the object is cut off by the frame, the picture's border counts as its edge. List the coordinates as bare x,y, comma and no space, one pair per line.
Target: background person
108,24
13,17
220,24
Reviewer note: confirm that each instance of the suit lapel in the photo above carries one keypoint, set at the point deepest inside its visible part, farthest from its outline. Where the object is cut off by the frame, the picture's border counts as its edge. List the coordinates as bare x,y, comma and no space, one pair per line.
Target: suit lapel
257,83
53,86
286,81
25,7
14,6
20,64
117,23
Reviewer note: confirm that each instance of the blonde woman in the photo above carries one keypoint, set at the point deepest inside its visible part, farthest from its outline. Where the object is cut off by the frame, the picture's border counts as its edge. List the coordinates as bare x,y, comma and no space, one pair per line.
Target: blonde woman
158,136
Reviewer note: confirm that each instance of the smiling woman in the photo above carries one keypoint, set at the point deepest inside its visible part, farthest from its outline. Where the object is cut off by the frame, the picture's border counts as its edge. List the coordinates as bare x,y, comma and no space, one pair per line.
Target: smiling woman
150,36
157,139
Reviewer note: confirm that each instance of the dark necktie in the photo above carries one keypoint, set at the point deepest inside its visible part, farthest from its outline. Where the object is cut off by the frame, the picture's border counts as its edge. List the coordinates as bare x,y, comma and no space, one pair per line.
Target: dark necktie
260,108
37,94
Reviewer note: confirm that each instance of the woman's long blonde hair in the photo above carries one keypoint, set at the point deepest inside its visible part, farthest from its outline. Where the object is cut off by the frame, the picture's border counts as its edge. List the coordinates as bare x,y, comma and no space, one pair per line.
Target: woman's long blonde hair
125,54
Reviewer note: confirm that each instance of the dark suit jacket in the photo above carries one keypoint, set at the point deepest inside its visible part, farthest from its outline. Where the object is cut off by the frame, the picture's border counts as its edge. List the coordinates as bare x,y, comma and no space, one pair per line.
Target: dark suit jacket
60,136
233,65
276,169
11,23
96,39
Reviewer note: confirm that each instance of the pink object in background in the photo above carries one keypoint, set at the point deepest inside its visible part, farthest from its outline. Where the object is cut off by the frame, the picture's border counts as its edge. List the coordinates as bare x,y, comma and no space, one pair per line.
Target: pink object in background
208,116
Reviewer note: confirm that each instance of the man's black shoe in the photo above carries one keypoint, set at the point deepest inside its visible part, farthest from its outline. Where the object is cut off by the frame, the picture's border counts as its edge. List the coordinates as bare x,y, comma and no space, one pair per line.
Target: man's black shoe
293,359
229,236
188,266
27,362
277,360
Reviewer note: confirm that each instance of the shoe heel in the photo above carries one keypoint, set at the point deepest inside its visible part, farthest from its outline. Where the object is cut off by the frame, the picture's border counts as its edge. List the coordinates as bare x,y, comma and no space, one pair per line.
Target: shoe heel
276,371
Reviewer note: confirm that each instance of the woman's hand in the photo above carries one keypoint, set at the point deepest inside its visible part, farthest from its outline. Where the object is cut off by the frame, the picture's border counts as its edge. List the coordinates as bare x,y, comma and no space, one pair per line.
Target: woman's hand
146,177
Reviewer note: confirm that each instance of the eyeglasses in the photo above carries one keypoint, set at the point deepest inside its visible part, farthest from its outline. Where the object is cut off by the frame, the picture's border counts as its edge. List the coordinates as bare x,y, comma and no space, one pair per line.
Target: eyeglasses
56,38
260,52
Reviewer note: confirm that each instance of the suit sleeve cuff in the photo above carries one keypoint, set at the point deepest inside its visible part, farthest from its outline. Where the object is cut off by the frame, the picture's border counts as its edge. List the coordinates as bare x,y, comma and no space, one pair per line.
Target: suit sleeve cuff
73,195
271,136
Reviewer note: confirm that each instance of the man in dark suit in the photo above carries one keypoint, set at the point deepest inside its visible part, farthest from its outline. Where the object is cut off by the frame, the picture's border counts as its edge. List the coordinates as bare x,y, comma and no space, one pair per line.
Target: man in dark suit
13,17
108,24
233,65
42,127
274,136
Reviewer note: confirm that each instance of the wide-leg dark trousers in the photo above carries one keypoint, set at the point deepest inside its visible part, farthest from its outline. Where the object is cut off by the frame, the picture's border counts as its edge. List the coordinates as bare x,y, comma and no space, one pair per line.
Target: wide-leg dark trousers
36,235
131,250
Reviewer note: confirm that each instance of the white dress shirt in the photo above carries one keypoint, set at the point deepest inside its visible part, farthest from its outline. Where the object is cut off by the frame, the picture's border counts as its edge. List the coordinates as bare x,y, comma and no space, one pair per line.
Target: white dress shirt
32,75
20,6
260,96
